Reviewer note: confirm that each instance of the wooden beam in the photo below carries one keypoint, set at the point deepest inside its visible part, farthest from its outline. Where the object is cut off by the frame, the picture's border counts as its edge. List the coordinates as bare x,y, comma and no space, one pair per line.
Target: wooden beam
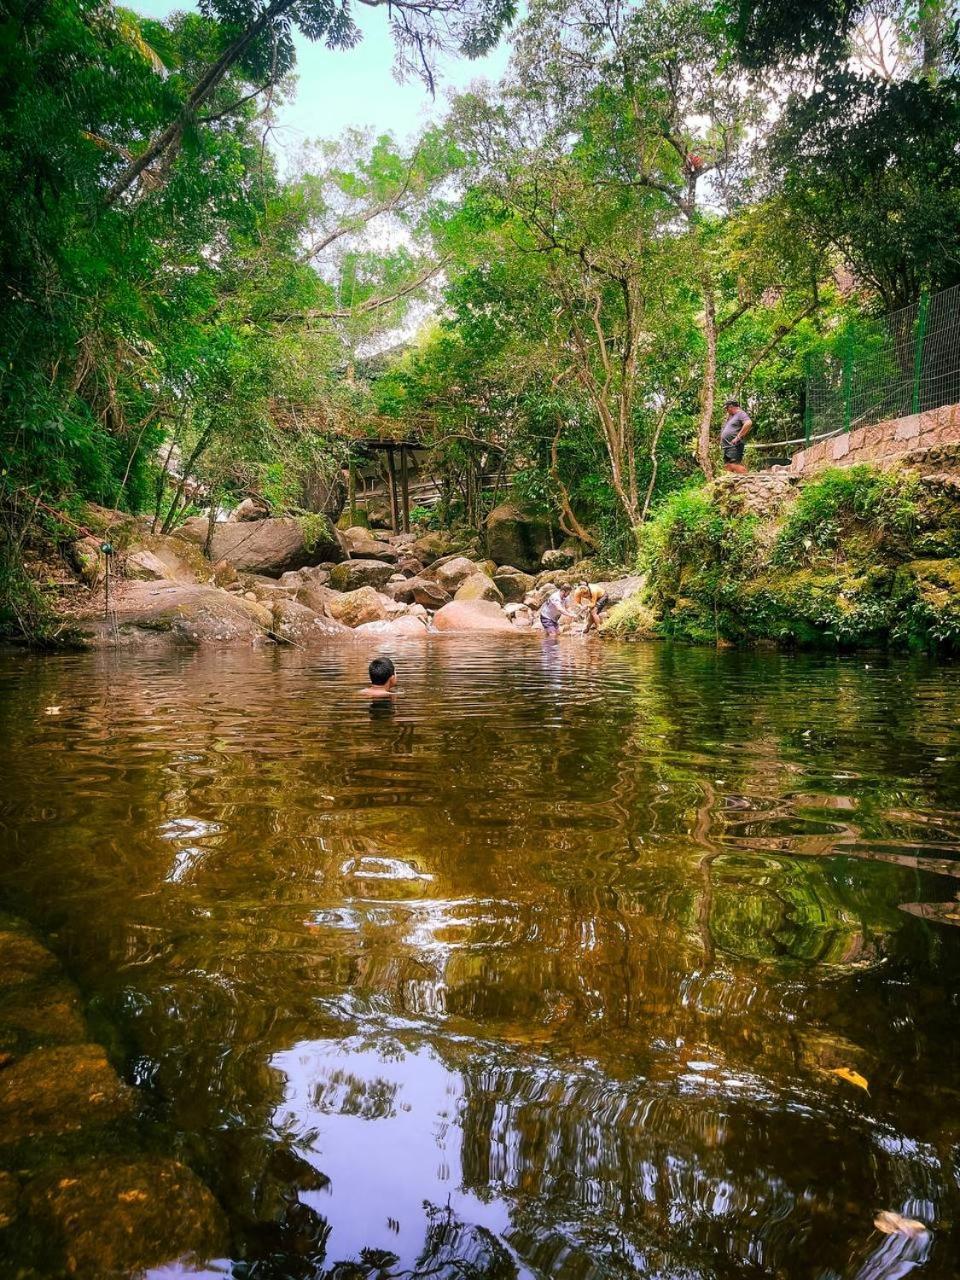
405,488
392,472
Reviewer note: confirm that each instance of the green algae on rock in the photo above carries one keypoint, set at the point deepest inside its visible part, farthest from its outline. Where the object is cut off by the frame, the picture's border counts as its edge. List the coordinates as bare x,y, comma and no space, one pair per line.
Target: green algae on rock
117,1216
61,1090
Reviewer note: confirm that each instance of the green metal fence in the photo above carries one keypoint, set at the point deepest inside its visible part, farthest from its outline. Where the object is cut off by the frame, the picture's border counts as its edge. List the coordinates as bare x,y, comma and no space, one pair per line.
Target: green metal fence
895,365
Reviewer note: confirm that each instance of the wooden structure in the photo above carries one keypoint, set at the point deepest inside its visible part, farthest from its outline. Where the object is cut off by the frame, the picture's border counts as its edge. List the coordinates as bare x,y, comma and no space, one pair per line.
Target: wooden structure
399,494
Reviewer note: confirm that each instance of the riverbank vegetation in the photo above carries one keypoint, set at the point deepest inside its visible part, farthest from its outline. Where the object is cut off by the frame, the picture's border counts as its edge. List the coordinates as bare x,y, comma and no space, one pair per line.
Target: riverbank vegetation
555,285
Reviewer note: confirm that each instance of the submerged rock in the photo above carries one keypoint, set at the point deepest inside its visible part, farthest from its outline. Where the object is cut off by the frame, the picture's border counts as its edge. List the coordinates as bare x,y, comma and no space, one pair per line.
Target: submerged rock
50,1013
117,1217
9,1199
23,959
405,626
60,1090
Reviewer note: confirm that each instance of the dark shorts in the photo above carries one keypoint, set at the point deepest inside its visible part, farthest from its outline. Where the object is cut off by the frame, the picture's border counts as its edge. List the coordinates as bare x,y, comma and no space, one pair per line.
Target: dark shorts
733,452
550,625
602,603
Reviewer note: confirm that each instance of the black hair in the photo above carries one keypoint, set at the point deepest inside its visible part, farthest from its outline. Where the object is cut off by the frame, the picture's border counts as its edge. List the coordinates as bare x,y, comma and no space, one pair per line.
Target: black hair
381,669
728,403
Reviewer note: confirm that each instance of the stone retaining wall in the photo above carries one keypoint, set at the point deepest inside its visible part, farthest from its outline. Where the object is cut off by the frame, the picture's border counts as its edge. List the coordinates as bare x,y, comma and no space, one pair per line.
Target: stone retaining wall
885,443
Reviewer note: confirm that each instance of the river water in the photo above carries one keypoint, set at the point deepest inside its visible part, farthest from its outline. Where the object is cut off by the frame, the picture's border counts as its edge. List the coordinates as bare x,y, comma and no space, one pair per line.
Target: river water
549,965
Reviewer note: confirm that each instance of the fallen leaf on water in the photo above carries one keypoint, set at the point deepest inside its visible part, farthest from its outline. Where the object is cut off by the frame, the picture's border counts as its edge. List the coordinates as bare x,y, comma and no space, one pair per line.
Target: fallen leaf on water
894,1224
851,1077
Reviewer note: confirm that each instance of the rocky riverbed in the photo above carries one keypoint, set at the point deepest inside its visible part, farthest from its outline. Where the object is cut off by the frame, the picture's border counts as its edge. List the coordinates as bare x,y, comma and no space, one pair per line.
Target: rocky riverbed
289,580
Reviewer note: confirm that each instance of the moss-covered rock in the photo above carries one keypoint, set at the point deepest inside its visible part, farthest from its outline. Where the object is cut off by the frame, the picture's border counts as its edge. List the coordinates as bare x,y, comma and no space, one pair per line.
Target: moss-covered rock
630,619
23,959
839,563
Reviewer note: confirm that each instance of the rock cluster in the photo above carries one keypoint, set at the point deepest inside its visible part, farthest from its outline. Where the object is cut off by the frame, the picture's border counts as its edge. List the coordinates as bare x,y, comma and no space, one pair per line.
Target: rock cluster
256,578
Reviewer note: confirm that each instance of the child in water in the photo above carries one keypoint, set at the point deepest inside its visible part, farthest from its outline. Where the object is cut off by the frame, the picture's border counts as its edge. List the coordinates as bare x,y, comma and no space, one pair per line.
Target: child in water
383,679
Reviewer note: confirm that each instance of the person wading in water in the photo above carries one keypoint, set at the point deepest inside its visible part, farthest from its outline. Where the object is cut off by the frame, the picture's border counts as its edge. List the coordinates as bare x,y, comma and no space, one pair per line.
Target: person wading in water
734,431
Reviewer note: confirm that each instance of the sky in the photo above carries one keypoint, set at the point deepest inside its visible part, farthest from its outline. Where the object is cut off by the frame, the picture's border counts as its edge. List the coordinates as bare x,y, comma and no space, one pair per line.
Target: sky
355,87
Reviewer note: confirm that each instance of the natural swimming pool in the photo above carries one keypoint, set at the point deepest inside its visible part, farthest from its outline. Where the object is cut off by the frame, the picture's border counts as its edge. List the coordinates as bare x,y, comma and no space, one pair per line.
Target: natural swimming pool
575,961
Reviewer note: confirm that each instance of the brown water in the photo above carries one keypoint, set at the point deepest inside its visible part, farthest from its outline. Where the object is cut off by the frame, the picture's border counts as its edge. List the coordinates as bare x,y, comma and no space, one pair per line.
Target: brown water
547,966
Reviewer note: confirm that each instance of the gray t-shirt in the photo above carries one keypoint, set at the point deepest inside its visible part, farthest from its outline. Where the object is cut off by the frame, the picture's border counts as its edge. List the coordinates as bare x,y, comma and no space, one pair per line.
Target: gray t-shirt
731,428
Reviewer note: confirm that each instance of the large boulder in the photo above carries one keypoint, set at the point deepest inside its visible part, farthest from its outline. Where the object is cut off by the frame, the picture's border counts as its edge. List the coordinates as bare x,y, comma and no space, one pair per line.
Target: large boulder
193,530
409,566
517,537
513,584
478,587
622,588
273,547
354,608
183,613
450,572
353,574
472,615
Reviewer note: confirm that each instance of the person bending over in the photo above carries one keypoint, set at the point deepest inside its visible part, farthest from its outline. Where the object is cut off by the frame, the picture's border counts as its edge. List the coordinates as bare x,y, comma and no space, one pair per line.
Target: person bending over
383,679
592,599
734,431
553,609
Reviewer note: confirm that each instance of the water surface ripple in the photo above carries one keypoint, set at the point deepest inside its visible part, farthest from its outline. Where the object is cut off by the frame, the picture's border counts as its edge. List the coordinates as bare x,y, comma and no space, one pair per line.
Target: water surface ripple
547,967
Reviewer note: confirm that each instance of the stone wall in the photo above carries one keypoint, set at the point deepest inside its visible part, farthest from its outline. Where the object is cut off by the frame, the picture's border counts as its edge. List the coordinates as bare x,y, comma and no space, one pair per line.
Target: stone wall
883,444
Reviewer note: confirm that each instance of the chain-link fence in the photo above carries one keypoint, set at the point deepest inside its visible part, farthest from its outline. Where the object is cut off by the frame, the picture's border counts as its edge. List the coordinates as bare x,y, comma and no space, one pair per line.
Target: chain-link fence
895,365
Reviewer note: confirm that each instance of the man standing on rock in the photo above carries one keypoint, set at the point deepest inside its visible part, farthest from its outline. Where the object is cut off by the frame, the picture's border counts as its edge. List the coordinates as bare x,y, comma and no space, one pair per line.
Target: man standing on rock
734,431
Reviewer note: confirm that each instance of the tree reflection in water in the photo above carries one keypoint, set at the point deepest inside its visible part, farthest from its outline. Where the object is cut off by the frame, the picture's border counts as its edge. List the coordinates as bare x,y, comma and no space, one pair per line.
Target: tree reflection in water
548,972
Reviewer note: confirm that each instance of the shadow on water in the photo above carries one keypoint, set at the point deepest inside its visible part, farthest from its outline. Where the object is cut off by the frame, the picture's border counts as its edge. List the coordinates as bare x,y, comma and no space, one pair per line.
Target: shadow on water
547,967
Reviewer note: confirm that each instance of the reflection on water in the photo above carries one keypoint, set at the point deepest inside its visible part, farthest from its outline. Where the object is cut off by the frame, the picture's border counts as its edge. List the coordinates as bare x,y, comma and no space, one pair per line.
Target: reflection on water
546,969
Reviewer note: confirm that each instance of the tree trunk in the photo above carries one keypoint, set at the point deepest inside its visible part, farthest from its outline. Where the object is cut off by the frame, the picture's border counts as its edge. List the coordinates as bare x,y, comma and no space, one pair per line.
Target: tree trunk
708,390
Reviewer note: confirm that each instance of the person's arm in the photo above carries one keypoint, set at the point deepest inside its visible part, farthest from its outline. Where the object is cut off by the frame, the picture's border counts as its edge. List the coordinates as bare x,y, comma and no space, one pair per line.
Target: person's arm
744,431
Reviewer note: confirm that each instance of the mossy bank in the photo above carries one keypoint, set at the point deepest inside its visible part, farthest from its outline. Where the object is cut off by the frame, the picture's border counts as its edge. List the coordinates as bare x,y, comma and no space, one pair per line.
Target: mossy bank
857,557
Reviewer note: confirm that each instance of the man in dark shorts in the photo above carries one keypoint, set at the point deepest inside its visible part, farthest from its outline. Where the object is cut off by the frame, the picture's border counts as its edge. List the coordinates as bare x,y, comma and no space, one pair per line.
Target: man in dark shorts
734,431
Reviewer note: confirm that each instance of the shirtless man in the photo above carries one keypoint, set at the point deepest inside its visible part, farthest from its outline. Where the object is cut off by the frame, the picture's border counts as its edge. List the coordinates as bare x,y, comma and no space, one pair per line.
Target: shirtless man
383,679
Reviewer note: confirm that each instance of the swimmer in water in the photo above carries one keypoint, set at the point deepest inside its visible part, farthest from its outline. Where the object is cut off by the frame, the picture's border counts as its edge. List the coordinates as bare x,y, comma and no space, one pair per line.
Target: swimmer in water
383,679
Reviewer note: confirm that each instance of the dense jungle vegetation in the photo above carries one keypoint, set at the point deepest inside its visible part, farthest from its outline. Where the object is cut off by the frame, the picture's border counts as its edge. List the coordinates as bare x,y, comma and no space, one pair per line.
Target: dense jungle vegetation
661,204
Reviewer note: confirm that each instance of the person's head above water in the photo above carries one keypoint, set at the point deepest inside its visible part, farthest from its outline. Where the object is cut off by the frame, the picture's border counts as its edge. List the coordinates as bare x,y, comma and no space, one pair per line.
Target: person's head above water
383,677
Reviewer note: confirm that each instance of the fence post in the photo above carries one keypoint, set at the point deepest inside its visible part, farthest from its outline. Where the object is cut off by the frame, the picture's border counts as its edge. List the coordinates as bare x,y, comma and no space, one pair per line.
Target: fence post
847,380
919,338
